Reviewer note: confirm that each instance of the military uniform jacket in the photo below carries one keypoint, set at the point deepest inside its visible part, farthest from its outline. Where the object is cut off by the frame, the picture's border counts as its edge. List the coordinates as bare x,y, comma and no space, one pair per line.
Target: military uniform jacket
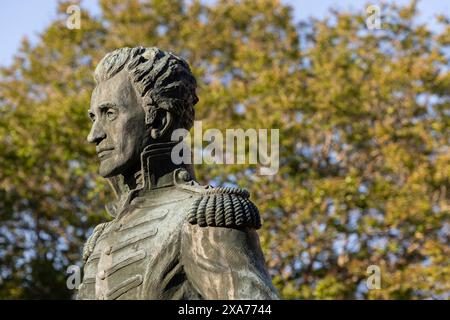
198,243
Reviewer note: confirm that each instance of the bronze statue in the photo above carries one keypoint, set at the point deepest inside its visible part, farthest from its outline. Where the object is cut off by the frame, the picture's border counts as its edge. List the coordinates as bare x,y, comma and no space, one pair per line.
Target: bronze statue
170,237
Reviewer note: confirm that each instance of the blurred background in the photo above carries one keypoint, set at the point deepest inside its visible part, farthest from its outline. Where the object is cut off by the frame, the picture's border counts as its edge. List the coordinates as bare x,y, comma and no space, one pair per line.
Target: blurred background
363,115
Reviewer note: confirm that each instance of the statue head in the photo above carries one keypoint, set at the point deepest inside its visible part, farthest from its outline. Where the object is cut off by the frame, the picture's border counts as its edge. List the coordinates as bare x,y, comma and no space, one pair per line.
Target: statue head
142,95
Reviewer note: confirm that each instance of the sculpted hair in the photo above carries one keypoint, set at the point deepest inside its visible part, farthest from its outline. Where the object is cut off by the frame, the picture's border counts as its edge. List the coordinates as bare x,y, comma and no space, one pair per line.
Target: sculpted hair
162,79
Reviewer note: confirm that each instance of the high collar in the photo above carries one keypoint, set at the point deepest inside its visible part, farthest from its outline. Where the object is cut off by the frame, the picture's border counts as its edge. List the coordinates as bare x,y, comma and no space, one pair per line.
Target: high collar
157,171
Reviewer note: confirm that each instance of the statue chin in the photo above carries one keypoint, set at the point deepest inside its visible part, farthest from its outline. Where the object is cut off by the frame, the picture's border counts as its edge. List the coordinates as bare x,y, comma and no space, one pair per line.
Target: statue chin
106,171
109,168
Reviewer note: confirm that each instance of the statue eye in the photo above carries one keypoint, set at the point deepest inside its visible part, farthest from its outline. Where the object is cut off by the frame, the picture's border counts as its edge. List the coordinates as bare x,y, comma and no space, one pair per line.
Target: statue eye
111,114
92,117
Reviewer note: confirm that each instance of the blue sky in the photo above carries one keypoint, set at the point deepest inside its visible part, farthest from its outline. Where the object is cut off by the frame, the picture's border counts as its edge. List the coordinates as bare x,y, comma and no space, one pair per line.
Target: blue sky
21,18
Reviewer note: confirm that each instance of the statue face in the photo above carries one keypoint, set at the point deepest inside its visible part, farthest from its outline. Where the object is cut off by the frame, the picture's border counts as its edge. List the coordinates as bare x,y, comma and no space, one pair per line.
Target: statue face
118,127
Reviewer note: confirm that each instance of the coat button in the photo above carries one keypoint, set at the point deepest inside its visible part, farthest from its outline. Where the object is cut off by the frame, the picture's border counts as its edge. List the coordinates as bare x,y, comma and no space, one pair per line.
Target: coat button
183,175
102,274
108,250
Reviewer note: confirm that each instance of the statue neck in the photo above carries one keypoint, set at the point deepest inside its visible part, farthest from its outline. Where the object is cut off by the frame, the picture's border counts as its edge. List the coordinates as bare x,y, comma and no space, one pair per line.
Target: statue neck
155,170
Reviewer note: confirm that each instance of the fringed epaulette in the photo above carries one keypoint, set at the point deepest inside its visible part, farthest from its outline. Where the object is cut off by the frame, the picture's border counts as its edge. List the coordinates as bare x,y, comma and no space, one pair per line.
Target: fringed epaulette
224,207
92,240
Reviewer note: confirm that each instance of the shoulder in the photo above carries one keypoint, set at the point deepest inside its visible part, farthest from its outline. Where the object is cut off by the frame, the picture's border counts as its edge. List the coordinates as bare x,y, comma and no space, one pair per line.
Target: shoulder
228,207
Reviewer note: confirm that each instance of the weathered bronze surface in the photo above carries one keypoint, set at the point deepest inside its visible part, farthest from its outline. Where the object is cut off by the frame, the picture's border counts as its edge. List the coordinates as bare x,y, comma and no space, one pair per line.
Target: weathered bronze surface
170,238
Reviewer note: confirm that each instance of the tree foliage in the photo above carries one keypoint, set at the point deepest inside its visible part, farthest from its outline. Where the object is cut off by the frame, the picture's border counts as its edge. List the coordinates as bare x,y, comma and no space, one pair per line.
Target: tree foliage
364,140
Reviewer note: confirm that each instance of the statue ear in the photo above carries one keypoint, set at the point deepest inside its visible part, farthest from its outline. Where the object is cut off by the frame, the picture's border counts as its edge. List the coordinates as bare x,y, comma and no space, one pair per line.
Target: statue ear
161,124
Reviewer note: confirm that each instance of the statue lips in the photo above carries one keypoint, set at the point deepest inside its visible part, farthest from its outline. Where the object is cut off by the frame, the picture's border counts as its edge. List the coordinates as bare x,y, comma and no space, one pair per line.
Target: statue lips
103,152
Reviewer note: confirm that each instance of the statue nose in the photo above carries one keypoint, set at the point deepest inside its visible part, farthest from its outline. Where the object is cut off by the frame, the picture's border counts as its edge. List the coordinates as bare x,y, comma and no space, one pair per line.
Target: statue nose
97,133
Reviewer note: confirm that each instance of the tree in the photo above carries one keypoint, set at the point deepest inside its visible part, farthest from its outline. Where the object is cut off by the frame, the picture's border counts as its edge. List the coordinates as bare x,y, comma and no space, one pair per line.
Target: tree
363,118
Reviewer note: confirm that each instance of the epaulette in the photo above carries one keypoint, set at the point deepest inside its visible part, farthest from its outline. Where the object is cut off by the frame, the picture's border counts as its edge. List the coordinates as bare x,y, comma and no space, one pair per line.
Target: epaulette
224,207
91,241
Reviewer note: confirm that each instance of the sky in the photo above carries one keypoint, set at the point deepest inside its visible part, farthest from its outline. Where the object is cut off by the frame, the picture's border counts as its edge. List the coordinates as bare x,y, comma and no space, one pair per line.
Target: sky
26,18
